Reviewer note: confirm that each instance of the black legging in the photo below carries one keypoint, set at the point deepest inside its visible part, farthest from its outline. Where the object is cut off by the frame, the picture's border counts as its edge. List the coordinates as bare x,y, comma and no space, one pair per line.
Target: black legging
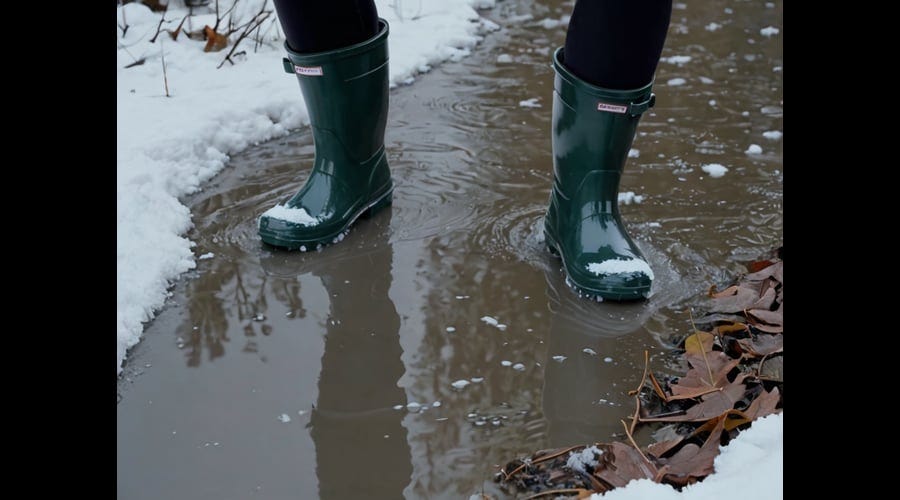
617,43
610,43
318,25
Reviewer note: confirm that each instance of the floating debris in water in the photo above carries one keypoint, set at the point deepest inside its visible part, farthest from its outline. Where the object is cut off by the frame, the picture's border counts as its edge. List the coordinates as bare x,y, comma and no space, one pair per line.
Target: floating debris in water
769,31
676,82
714,169
559,359
588,350
206,256
450,329
519,367
754,149
398,407
530,103
608,359
506,363
772,135
460,384
284,418
493,322
477,380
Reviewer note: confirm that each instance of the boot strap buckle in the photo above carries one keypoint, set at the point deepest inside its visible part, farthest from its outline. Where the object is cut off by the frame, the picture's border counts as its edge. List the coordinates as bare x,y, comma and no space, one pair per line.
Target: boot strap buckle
638,108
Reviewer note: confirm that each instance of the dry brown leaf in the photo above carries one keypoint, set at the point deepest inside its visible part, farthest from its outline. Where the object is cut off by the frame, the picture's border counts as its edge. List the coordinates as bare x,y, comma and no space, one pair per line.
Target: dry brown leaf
761,345
697,378
773,271
621,463
711,405
698,343
731,328
766,299
214,41
694,462
733,299
772,369
766,316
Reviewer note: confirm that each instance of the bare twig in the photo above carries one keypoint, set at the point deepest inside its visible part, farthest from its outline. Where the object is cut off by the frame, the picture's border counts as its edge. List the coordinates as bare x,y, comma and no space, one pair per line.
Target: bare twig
702,350
124,21
644,376
226,13
636,447
159,26
553,492
542,459
165,77
248,28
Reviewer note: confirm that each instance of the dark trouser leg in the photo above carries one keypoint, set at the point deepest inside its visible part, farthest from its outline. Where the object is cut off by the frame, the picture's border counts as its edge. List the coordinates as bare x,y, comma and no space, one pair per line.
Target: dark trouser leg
318,25
617,43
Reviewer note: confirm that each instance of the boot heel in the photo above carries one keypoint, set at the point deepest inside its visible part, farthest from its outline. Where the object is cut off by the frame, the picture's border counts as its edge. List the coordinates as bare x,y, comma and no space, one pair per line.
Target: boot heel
384,202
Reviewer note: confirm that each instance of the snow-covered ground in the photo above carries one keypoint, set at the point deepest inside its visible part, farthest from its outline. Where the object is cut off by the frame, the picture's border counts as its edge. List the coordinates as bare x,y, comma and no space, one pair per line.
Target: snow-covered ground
166,147
751,467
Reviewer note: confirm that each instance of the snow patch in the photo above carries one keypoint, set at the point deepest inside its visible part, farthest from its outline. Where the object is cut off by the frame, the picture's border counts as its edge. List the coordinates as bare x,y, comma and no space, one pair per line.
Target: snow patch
506,363
634,153
713,26
460,384
284,418
584,458
676,82
754,149
205,256
769,31
620,266
588,350
560,358
628,197
293,215
519,367
679,60
714,169
530,103
757,452
772,135
504,59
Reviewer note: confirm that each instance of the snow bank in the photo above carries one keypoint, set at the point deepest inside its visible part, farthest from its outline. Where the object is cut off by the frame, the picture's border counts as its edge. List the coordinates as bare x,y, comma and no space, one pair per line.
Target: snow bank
751,467
166,147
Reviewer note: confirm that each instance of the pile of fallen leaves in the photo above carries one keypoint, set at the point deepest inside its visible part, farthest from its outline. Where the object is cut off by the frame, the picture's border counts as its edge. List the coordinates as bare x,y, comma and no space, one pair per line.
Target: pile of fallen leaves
734,376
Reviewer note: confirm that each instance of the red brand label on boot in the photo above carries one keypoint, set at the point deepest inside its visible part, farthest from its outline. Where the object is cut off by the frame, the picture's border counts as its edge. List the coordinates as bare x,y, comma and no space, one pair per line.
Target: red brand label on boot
612,108
308,70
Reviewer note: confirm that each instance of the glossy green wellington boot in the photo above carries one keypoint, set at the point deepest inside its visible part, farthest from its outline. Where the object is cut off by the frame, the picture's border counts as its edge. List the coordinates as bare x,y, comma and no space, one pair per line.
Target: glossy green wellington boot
592,132
346,94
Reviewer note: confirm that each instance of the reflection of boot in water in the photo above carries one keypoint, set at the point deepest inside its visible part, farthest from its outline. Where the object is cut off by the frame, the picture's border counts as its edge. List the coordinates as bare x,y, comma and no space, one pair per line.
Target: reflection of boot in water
361,447
573,389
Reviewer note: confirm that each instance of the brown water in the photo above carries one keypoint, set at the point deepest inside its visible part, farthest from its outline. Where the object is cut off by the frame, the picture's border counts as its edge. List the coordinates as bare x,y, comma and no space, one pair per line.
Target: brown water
335,339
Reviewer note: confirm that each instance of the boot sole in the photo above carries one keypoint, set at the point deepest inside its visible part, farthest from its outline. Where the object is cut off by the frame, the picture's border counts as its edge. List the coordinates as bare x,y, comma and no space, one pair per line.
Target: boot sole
618,294
367,212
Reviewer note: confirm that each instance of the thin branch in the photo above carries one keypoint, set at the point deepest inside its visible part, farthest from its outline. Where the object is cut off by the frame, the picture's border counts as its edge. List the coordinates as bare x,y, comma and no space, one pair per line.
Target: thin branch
542,459
249,26
631,439
165,77
702,350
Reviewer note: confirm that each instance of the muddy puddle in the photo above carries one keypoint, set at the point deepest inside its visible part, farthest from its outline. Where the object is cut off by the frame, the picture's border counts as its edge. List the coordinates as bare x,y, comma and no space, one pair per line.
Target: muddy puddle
335,374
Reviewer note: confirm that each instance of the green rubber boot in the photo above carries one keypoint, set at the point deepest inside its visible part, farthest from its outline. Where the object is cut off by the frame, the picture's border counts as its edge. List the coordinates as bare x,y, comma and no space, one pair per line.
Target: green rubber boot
592,132
346,94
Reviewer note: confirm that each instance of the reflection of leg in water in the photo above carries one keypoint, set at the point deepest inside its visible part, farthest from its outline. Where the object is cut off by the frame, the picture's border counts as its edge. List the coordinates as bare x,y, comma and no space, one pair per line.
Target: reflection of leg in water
338,51
574,389
602,87
361,446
